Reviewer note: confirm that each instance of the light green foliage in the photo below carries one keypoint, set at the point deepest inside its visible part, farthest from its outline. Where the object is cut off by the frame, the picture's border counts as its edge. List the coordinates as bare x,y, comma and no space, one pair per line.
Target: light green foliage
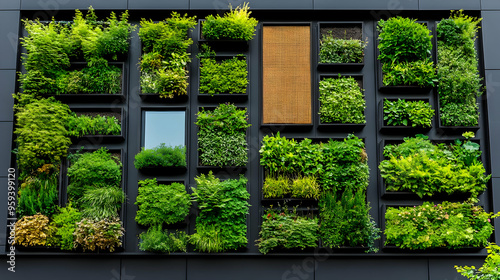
408,113
64,222
222,136
276,186
83,125
285,230
449,225
158,240
341,101
38,194
421,73
41,134
160,204
335,50
235,24
300,187
490,269
103,235
345,221
101,203
425,169
222,76
221,222
305,187
161,156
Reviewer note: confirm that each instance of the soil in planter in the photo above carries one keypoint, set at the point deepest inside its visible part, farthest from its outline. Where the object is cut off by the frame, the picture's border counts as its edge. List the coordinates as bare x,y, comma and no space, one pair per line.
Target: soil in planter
343,31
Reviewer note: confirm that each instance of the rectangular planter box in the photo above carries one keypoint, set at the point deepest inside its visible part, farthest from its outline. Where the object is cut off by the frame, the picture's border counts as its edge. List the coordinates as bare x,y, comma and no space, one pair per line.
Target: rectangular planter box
222,44
102,139
402,130
453,130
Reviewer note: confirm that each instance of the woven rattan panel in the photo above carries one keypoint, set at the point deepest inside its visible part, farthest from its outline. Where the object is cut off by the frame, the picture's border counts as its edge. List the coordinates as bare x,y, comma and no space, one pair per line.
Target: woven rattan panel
286,65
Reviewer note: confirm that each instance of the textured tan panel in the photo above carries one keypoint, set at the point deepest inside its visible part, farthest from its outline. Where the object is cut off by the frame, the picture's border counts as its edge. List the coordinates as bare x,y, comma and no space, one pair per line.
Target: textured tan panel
286,75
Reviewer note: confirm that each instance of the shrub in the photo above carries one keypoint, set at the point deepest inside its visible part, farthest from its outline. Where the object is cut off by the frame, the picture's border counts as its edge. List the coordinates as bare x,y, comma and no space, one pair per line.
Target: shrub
33,231
64,222
490,269
101,203
421,73
335,50
408,113
235,24
164,156
157,240
38,195
99,235
160,204
82,125
341,101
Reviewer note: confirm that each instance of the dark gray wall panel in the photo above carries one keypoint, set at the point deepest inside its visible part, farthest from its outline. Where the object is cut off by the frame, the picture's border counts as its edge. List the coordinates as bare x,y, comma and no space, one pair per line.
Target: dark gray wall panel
7,87
444,269
490,4
362,269
491,40
392,6
10,5
3,211
147,268
9,30
449,4
52,6
496,206
158,4
493,96
254,4
5,147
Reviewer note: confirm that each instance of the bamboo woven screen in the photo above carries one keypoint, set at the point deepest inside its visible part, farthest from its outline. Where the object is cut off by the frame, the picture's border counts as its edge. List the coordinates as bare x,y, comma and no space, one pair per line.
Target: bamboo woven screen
286,75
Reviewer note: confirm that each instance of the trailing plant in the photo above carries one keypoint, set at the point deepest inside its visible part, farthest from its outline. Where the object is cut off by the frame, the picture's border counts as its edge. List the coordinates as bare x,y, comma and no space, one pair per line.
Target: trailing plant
408,113
160,203
33,231
99,235
223,208
450,225
287,230
101,203
341,101
346,221
222,76
82,125
38,194
425,169
337,50
235,24
64,222
158,240
490,269
161,156
222,136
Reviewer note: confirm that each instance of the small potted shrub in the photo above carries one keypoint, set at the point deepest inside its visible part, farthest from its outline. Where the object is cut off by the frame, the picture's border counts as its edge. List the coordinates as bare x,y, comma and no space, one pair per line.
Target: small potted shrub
161,158
405,113
234,25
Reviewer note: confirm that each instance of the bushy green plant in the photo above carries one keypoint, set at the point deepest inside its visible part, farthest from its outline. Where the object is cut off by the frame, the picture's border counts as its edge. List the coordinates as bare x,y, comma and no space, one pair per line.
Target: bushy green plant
235,24
425,169
287,230
336,50
82,125
276,186
64,222
38,194
160,204
408,113
158,240
449,225
300,187
103,235
161,155
101,203
341,101
490,269
421,73
222,136
33,231
346,221
221,222
225,76
305,187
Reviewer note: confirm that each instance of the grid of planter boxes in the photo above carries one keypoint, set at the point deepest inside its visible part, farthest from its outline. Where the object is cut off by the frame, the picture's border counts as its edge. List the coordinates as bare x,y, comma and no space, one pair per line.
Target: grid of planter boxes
71,189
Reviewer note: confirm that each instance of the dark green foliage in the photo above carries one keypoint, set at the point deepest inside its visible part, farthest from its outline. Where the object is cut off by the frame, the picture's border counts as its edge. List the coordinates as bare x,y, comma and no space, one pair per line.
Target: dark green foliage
101,203
158,240
161,156
223,209
64,222
224,76
235,24
285,230
38,195
82,125
341,101
336,50
345,221
408,113
160,204
449,225
222,136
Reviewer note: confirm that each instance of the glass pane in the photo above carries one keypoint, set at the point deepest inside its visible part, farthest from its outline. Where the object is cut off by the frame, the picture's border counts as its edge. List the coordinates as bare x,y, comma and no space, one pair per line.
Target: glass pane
164,127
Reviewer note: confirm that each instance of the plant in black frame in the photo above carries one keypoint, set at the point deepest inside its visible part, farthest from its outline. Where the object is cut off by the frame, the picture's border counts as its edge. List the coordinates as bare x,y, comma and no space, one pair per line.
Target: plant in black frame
403,112
161,156
341,101
235,24
340,50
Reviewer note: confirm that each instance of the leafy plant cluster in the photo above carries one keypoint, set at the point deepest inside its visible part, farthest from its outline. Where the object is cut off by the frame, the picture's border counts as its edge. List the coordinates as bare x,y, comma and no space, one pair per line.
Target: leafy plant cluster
449,225
287,230
161,156
426,169
158,240
39,195
235,24
82,125
222,76
405,49
459,79
300,187
490,269
402,112
95,235
337,50
341,101
223,208
32,231
164,60
222,136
